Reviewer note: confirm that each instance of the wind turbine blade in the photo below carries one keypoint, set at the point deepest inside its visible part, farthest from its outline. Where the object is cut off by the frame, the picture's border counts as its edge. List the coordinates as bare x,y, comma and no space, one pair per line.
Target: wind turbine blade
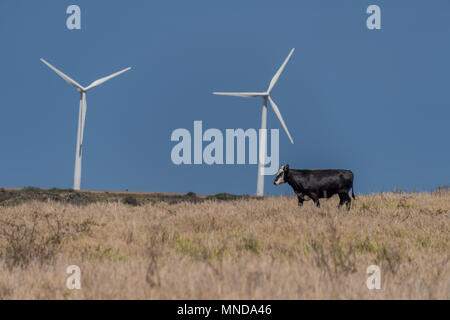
278,74
278,113
64,76
241,94
98,82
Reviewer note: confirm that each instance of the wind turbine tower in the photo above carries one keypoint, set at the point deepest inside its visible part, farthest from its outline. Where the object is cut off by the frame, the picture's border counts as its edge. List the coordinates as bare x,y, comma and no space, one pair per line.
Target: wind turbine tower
263,133
81,116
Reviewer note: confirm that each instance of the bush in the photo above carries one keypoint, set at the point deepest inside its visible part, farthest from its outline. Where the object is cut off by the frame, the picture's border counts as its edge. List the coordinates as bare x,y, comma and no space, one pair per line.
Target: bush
39,239
59,190
32,189
130,200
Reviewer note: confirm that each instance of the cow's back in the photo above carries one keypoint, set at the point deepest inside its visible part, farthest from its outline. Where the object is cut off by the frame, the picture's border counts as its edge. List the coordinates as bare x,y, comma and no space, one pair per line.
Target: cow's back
330,180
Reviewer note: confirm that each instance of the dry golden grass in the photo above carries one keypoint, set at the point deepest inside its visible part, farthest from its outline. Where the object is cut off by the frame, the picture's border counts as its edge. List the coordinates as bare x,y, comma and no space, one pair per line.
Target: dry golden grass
245,249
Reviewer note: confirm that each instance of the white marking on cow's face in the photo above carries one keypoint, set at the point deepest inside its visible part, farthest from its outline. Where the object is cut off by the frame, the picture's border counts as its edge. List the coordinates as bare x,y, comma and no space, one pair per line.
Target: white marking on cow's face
280,177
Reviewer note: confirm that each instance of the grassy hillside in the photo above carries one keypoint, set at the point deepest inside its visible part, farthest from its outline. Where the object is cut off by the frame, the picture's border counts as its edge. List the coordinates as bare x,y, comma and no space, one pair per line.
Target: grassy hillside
211,249
12,197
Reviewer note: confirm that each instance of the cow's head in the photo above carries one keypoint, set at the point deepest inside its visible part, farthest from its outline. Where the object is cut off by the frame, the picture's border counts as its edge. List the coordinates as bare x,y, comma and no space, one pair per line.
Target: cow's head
281,175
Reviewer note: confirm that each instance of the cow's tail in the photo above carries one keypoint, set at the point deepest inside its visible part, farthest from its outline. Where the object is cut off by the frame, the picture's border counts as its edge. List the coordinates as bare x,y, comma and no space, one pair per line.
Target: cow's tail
353,195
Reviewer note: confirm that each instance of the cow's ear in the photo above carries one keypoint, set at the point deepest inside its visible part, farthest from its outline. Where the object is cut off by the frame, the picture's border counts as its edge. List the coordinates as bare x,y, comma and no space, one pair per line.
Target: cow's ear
286,169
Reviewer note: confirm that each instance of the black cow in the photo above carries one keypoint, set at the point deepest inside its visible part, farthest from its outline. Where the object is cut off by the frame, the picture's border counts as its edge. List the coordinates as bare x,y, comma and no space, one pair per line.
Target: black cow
317,184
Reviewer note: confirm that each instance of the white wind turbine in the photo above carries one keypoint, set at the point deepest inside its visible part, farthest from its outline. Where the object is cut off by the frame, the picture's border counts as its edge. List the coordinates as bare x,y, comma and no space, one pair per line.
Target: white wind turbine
81,116
263,133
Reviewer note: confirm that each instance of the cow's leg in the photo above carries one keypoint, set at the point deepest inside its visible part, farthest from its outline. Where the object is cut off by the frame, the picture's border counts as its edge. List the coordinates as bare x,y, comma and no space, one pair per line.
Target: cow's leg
300,201
300,198
315,198
342,199
348,201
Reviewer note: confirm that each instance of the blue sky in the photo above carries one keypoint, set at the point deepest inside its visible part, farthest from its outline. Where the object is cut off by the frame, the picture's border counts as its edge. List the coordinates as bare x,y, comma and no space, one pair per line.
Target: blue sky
376,102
